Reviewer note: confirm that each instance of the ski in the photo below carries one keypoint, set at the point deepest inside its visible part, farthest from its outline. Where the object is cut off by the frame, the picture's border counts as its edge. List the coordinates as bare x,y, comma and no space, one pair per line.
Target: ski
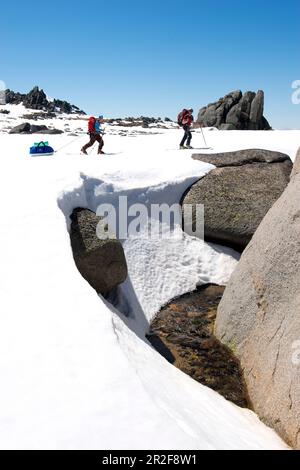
91,154
195,148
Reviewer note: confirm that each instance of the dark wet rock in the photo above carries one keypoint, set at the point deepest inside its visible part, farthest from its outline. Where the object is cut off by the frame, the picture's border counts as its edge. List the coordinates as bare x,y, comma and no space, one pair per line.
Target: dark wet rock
101,262
183,333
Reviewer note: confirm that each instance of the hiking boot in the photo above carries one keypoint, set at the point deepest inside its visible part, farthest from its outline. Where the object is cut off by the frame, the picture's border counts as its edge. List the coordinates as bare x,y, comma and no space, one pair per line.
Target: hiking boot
182,147
84,151
100,152
189,147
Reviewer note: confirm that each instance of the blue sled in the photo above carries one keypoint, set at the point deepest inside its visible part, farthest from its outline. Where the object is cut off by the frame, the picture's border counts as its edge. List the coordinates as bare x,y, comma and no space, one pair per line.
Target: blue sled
41,148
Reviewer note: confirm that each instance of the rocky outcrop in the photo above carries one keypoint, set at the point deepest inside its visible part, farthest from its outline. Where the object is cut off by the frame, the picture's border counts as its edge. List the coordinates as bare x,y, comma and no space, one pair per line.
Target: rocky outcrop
101,262
235,111
12,97
27,128
239,193
37,99
258,317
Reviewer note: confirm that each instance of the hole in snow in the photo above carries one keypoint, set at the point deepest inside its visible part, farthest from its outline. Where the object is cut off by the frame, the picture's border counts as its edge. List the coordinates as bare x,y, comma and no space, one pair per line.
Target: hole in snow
162,270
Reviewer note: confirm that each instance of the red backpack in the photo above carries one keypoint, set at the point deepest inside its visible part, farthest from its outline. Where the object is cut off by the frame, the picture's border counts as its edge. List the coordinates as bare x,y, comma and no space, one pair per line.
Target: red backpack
181,116
92,122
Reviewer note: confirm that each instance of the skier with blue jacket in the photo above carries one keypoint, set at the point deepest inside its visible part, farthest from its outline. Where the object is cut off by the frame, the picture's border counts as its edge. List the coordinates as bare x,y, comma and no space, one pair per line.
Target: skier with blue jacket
98,127
95,133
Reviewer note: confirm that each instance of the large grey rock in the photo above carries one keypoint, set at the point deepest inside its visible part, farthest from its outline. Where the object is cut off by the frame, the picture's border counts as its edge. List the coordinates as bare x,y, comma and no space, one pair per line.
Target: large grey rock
21,129
258,317
246,102
235,111
101,262
238,194
214,114
27,128
296,166
34,128
237,117
242,157
209,116
256,111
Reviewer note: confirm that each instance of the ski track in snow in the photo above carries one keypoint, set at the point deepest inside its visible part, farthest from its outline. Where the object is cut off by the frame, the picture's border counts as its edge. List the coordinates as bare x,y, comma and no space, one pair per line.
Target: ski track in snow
76,373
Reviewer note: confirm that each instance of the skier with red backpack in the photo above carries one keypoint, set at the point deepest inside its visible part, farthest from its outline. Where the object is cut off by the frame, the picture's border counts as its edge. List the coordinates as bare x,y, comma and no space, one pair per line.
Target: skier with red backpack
185,120
95,132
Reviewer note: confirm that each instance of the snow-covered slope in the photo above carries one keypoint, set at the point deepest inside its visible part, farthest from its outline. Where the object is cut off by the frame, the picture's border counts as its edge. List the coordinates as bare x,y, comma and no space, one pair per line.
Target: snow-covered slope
75,372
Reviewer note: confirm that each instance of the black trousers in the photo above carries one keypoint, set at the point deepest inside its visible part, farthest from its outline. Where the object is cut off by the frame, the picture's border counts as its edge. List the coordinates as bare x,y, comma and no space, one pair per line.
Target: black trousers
187,135
94,136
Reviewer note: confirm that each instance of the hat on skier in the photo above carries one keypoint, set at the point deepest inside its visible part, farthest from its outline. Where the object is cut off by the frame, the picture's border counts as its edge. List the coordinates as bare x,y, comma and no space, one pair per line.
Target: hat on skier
101,116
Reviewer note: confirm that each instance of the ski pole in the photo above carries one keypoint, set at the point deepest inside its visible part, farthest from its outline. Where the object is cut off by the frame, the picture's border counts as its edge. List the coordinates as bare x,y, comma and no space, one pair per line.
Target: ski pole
203,136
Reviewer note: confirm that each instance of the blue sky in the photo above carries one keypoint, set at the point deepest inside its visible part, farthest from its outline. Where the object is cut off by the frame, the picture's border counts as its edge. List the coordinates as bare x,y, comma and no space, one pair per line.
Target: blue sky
153,58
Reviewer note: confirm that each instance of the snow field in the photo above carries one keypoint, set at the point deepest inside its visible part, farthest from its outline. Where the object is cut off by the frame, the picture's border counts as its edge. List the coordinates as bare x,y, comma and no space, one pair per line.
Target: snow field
77,373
